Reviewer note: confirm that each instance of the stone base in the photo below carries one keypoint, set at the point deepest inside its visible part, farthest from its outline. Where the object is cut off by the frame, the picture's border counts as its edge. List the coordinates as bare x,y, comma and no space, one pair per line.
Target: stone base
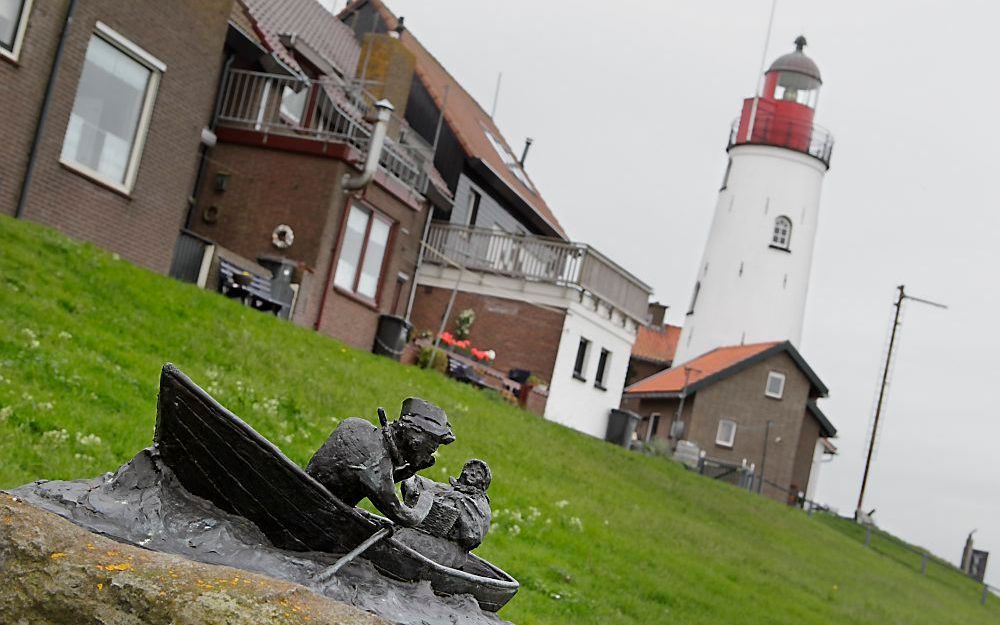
55,573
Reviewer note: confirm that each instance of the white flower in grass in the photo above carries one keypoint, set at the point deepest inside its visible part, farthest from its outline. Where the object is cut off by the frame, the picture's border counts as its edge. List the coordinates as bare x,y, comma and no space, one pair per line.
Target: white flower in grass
88,439
56,437
34,344
562,503
6,412
514,530
46,406
576,523
28,333
63,334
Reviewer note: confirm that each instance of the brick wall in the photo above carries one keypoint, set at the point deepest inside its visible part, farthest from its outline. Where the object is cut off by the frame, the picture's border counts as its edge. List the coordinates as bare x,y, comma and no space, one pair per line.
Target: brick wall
523,336
186,35
741,398
267,187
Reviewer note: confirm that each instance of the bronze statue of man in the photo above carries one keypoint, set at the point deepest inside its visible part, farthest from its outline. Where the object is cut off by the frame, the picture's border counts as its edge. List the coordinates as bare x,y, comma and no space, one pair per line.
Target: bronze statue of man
360,460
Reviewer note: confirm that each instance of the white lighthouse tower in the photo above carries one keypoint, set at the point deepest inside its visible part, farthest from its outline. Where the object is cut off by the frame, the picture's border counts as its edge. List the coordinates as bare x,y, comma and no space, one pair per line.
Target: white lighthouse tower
754,275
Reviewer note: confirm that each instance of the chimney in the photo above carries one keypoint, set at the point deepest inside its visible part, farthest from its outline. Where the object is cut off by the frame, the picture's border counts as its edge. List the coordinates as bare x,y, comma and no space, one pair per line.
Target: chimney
386,67
657,312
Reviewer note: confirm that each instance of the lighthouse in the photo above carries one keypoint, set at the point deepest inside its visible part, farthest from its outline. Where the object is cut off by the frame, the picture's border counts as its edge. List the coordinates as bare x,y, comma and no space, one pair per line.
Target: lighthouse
754,274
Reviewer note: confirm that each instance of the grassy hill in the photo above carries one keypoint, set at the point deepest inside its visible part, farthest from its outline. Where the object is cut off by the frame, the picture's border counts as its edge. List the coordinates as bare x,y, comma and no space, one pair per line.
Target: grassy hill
595,534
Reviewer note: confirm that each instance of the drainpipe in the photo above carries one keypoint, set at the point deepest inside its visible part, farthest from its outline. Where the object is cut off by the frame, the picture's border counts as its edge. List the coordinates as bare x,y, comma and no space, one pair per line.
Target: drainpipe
384,112
44,112
212,125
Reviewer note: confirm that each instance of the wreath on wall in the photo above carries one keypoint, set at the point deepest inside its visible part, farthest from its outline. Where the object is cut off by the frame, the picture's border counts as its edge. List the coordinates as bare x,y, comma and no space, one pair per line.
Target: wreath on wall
282,237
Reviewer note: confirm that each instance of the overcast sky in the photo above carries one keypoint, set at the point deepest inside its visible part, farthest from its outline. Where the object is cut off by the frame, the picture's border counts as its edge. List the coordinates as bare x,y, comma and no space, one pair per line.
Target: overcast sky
629,104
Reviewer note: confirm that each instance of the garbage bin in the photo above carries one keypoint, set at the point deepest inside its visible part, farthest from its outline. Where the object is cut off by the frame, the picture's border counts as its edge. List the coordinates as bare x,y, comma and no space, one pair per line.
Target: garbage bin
390,338
621,427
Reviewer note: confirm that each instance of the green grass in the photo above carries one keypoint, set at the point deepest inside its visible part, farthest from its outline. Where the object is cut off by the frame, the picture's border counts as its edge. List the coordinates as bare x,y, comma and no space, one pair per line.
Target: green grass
595,534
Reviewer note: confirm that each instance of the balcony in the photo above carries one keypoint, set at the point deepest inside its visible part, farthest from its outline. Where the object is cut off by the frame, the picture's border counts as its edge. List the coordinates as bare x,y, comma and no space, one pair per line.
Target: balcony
538,259
324,110
778,131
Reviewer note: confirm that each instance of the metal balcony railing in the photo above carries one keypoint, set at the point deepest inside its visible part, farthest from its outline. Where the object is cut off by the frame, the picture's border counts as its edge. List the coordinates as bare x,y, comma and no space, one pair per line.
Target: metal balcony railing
538,259
322,110
774,130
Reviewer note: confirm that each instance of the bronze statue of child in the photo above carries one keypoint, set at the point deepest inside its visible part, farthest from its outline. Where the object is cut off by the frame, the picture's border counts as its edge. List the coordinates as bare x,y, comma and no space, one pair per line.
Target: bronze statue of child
461,510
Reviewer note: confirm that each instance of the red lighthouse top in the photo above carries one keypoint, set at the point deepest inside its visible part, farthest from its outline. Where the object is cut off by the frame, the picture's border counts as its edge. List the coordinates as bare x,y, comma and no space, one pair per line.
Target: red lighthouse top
783,114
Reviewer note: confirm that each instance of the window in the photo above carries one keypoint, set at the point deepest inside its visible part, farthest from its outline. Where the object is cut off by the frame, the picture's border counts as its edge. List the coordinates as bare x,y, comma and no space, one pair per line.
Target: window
725,436
579,367
775,385
725,177
782,236
111,111
694,297
474,199
13,22
293,103
602,369
362,252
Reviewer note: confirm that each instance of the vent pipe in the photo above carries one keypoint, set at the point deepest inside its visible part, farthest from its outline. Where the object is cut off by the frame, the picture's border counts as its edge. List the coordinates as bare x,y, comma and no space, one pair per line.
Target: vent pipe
383,113
527,144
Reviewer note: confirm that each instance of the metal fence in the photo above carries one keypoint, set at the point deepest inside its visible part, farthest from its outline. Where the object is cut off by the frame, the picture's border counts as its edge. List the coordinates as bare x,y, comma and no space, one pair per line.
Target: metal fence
540,259
804,137
889,546
322,110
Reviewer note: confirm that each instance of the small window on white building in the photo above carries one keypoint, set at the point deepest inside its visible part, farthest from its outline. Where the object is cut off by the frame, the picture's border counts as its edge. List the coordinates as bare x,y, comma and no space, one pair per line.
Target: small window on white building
775,385
726,434
580,365
602,369
13,22
111,111
782,236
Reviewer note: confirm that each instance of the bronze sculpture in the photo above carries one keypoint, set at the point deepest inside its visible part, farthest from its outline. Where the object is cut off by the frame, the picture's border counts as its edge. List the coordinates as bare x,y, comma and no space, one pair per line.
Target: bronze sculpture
360,461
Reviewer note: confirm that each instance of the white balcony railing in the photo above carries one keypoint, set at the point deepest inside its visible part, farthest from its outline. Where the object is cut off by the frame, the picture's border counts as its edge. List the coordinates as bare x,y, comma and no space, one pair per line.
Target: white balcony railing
538,259
322,110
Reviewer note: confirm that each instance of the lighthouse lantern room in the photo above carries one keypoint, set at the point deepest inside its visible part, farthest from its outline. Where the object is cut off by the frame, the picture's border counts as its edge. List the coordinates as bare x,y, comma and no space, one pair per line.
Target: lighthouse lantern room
754,275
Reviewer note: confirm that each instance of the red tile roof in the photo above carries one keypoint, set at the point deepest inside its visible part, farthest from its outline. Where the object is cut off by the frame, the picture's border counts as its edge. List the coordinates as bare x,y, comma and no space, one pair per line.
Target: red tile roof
326,34
656,344
702,367
466,118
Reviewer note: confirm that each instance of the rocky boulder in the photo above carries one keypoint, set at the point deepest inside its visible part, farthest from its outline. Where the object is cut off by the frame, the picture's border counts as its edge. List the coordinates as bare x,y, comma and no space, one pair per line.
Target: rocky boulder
55,573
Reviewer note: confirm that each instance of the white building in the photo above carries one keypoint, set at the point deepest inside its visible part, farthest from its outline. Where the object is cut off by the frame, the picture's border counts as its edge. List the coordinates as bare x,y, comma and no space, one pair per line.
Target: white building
754,275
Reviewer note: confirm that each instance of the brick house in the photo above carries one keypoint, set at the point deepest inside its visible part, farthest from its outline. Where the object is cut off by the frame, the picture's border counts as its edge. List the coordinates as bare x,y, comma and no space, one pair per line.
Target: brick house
545,304
753,403
291,125
655,345
109,106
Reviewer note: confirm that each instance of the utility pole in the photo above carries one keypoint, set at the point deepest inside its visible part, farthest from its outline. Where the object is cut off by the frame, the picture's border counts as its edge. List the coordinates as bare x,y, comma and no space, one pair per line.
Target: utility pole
900,298
680,404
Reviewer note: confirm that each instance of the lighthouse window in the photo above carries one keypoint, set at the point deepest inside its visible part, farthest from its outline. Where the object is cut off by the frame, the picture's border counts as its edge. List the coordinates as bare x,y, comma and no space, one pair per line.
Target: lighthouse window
782,236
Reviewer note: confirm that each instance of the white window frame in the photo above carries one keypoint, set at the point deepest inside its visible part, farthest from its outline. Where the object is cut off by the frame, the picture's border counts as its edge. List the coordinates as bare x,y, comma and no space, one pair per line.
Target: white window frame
372,215
22,26
786,224
774,375
156,69
723,442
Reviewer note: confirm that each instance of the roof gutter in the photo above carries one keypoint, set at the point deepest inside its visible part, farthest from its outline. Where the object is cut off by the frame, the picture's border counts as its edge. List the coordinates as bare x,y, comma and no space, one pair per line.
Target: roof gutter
359,181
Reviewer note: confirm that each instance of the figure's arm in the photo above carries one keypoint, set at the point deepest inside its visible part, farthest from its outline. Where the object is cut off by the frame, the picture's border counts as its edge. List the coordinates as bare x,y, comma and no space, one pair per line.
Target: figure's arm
383,496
